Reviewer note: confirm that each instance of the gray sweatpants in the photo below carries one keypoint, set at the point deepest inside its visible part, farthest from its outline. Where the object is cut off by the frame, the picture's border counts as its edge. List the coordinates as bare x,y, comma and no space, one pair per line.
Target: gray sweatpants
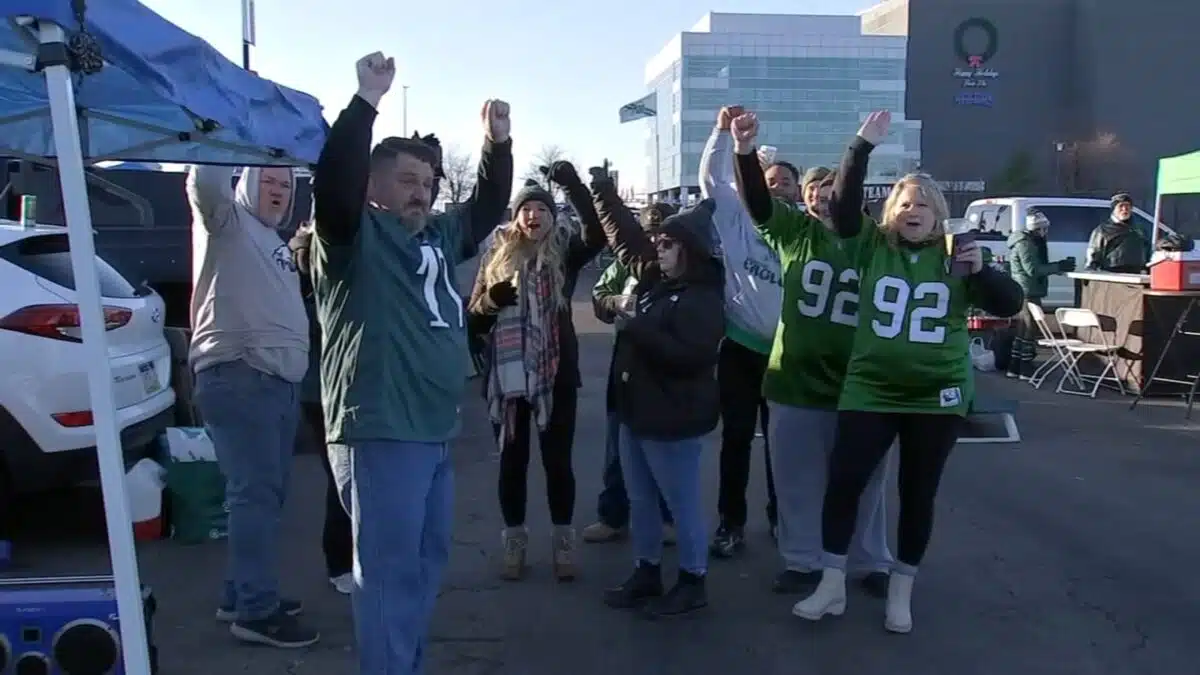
801,442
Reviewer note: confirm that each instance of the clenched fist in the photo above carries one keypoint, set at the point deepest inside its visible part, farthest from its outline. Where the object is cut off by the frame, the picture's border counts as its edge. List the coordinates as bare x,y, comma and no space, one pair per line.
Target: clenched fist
727,114
376,73
745,129
496,125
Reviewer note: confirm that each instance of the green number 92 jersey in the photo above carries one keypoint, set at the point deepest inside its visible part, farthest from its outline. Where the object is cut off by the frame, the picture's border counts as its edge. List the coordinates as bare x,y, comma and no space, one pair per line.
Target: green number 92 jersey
820,309
911,347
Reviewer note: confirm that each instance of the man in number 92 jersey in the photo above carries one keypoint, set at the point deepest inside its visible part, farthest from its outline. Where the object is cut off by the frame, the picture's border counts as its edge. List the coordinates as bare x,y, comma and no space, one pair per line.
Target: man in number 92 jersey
804,379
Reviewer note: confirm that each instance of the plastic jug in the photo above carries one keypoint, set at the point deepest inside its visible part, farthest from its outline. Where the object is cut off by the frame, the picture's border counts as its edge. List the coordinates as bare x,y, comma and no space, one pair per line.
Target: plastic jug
144,484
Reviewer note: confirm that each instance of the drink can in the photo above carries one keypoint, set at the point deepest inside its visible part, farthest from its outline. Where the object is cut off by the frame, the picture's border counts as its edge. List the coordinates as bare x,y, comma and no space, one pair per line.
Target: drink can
955,242
28,210
767,153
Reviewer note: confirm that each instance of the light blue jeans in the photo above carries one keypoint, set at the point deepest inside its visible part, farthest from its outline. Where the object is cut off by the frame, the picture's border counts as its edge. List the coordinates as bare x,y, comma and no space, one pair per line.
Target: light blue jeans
672,469
400,497
252,418
801,442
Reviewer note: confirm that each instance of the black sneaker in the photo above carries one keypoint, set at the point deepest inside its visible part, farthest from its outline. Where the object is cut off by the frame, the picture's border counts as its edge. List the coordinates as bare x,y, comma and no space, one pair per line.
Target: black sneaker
875,584
228,614
278,630
795,582
686,596
728,541
645,583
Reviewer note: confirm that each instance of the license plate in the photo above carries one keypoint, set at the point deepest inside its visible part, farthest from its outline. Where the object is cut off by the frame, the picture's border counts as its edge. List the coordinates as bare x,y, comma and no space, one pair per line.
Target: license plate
149,378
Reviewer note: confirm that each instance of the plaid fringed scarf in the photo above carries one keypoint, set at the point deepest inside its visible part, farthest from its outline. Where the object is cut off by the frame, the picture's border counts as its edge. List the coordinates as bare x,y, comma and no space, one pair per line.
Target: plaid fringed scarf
524,354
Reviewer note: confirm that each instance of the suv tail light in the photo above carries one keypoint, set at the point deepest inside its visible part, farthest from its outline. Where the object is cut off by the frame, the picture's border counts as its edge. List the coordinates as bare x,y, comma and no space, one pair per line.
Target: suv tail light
59,322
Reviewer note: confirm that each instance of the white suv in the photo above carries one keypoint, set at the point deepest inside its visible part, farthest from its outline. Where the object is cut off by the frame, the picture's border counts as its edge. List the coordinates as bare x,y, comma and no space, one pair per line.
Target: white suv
1072,220
46,435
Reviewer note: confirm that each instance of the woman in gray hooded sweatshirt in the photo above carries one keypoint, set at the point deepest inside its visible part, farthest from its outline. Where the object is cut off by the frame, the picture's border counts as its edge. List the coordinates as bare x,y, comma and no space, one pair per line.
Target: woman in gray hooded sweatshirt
249,352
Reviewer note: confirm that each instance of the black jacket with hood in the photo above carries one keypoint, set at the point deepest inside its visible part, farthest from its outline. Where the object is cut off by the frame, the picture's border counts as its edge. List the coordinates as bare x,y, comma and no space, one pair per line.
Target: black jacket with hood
664,383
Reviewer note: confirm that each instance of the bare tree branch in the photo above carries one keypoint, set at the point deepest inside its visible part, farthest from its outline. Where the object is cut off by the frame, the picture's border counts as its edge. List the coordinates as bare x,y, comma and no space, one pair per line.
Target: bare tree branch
549,154
459,168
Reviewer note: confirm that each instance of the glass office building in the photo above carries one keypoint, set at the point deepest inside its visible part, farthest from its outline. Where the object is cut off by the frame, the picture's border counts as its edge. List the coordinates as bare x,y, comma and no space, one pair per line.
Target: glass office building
810,79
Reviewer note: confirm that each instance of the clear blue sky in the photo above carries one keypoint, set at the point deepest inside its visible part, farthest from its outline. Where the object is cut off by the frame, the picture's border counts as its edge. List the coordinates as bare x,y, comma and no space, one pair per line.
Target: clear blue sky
566,67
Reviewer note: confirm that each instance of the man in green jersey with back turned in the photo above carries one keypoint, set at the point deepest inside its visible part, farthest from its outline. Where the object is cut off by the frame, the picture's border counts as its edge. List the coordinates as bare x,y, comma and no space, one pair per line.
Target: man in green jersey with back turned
804,378
393,360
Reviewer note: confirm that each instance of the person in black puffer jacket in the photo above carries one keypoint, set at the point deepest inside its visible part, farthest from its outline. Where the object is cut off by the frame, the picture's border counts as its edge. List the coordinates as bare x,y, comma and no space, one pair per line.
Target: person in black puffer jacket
665,394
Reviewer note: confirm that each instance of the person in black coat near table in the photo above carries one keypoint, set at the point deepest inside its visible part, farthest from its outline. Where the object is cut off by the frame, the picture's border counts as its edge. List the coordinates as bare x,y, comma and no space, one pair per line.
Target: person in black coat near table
666,397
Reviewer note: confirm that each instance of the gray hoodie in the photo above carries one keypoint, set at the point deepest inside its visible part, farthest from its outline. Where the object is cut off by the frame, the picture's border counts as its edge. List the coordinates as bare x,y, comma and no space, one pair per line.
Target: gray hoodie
246,303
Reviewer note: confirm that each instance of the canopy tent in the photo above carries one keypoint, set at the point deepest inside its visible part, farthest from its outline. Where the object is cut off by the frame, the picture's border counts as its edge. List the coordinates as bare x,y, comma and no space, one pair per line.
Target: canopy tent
1179,175
163,95
111,80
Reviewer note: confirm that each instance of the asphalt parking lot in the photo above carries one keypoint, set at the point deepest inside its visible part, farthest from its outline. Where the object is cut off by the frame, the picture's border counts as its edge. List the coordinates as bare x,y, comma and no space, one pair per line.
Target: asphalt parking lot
1070,553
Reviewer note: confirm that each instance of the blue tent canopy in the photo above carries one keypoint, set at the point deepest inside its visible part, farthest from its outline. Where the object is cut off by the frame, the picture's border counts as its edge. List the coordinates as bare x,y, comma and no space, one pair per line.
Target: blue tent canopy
163,95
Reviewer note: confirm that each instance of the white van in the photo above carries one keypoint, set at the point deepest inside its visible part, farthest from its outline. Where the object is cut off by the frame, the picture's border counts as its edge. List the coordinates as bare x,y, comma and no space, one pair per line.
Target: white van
1071,223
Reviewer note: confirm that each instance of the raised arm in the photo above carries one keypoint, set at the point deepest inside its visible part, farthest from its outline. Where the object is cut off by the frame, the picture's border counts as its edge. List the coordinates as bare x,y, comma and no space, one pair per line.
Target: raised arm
717,181
340,180
629,243
493,182
846,202
210,193
751,183
591,238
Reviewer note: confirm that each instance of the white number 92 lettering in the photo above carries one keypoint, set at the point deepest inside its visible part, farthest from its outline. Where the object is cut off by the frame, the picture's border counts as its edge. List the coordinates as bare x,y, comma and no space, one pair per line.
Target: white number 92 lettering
817,281
433,265
891,299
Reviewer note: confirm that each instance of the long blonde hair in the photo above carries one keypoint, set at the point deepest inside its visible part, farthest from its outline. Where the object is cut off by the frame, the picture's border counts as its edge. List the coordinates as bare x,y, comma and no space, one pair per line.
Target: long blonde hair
511,250
929,191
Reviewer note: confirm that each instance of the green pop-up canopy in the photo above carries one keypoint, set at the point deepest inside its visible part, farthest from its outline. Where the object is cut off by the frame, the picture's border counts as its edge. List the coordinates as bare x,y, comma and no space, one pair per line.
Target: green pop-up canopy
1179,175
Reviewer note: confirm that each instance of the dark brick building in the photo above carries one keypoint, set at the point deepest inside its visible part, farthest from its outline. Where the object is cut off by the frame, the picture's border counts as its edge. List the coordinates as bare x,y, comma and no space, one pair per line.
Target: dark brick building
1057,96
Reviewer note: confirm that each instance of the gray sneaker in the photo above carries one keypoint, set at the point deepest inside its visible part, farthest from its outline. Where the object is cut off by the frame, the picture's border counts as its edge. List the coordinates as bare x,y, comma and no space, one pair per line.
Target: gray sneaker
564,553
227,614
516,543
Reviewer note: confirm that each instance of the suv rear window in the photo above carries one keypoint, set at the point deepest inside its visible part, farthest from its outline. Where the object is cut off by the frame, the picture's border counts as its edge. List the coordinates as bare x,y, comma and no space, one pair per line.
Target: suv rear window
49,257
1074,223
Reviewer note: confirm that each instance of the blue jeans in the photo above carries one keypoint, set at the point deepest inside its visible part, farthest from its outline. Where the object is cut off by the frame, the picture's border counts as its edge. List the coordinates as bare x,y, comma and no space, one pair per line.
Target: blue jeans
252,418
671,468
613,504
801,442
400,497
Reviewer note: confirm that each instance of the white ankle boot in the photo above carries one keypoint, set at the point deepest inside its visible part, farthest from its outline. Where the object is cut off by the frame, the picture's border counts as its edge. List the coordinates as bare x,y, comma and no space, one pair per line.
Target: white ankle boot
828,598
899,603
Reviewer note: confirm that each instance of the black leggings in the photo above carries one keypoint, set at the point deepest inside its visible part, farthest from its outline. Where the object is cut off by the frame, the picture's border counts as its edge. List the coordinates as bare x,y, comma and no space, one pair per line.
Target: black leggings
740,375
337,537
555,444
863,440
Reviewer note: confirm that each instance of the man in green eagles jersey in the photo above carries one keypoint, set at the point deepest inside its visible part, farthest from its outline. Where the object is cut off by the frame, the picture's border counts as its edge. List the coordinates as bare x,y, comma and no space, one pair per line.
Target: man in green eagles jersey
804,374
393,361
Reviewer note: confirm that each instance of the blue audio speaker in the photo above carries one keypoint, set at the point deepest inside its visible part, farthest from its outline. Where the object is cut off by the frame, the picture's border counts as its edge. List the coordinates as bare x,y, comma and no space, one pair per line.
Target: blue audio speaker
64,626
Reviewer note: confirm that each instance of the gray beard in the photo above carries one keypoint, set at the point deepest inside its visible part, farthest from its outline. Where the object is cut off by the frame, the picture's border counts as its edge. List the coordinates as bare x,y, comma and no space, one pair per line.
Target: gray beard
414,225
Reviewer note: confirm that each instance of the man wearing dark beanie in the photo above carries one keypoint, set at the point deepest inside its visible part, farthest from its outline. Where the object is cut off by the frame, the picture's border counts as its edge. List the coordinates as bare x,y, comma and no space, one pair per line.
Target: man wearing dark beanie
1119,244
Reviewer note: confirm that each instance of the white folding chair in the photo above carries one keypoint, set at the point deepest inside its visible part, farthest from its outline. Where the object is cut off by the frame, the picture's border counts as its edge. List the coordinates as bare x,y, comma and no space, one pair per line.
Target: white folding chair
1073,317
1057,345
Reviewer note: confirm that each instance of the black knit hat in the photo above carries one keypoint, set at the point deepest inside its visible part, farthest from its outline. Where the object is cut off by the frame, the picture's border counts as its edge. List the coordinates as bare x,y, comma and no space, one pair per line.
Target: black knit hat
533,192
1121,198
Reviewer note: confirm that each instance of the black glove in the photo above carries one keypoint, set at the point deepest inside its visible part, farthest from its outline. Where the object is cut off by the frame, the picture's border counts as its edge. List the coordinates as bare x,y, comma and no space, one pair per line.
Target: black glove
600,178
503,294
1066,265
561,172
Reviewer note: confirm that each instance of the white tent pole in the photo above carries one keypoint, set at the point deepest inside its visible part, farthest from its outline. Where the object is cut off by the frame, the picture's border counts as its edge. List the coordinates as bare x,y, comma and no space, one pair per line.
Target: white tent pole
134,646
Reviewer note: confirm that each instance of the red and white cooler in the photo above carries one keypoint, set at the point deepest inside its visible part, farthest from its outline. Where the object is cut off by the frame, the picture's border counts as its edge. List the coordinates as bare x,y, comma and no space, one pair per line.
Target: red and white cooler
1175,271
